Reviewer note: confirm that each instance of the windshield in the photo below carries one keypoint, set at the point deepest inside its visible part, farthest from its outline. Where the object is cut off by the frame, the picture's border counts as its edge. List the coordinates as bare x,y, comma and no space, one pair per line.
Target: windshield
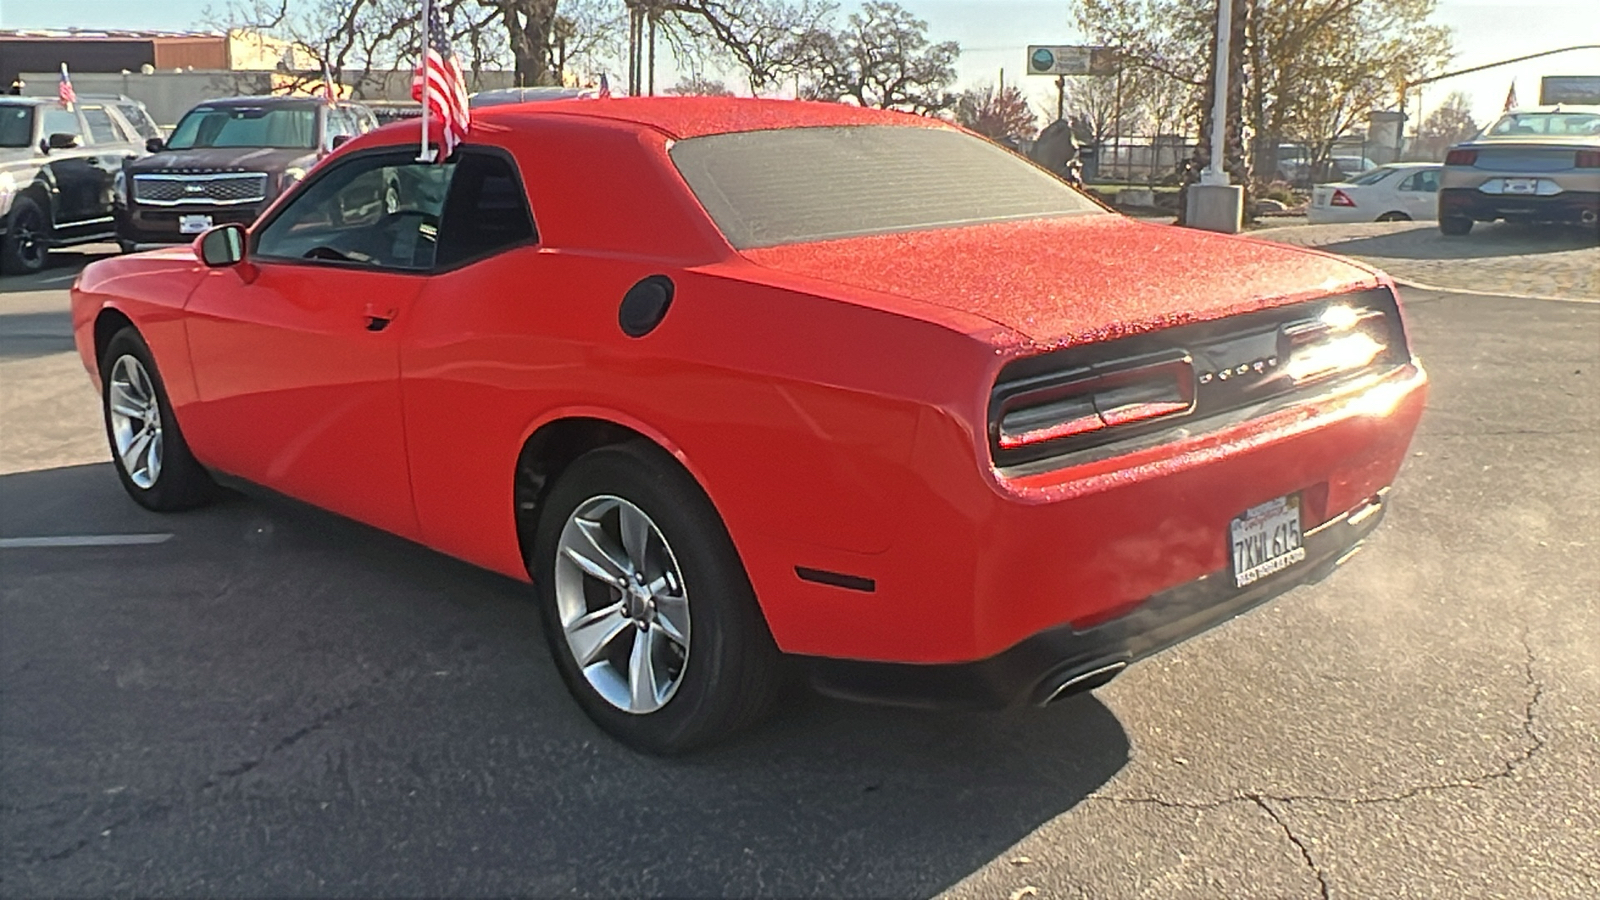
795,185
16,125
1550,123
246,126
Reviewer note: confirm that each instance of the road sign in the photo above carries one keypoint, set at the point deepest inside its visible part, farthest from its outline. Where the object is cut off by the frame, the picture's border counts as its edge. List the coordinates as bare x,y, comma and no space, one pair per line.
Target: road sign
1555,89
1045,59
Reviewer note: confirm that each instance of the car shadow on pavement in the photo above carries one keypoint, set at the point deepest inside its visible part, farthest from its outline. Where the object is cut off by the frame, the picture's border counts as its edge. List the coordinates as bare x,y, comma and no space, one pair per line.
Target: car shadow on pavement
56,265
1486,240
279,701
25,335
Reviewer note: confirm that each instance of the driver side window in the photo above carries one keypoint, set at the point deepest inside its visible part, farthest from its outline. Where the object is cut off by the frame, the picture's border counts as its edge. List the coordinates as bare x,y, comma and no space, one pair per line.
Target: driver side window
376,211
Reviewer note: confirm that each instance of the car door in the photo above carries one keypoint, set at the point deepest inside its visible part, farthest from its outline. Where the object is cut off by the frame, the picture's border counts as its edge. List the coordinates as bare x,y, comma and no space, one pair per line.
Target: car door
295,352
76,176
109,148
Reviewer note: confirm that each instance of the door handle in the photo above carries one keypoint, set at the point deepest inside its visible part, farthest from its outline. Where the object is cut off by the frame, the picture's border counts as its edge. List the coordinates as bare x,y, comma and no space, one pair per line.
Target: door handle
379,317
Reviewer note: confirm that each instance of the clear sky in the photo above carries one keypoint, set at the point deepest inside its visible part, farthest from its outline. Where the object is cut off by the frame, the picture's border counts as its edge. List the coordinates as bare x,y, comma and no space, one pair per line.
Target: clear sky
994,33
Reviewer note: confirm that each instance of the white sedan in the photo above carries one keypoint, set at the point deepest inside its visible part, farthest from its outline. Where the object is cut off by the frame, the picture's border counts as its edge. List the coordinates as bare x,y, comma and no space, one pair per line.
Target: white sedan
1397,192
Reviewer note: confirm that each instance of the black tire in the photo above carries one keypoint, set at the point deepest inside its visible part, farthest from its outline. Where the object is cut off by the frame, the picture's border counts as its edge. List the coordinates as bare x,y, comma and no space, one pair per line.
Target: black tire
730,673
1394,216
179,481
23,251
1455,226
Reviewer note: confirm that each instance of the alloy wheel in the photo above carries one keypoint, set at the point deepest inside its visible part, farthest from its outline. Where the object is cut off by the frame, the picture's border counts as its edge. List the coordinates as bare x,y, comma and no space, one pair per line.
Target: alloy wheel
26,231
135,421
622,604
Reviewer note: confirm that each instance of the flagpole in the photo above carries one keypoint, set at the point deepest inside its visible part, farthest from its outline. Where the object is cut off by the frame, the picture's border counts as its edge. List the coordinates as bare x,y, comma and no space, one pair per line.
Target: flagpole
423,155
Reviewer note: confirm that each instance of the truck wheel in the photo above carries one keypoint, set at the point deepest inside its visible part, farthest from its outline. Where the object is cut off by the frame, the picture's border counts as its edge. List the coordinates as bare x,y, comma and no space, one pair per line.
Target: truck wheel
23,251
1455,226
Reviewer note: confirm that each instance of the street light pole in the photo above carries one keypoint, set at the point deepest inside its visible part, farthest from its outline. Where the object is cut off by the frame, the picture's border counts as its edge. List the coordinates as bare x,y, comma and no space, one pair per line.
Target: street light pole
1215,173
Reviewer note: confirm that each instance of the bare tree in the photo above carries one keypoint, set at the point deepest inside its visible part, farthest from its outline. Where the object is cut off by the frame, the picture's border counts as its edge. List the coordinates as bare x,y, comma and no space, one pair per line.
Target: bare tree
1449,124
769,40
882,58
1001,115
696,86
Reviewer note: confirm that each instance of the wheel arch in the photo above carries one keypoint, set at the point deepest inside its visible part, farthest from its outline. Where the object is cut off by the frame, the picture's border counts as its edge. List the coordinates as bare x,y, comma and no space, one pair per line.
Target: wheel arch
557,440
107,323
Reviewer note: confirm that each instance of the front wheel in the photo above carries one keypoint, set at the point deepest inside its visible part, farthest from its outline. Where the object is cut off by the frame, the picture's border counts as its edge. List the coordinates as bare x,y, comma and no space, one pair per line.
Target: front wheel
1455,226
24,248
646,606
150,455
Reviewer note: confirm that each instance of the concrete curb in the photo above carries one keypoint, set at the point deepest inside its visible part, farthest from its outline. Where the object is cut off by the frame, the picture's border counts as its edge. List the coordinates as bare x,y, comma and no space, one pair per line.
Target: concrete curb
1435,289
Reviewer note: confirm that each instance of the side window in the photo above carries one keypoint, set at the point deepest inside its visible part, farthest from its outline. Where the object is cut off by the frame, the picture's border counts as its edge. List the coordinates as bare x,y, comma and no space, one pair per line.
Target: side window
337,122
141,123
1428,180
100,127
1410,184
378,211
61,121
487,210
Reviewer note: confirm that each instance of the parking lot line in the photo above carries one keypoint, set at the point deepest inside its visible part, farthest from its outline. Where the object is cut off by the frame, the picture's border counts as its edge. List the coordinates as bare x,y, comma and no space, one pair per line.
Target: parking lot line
83,540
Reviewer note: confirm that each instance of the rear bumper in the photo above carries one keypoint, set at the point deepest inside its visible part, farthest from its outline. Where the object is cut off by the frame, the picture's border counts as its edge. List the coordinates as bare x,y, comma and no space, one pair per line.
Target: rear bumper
1471,203
1067,660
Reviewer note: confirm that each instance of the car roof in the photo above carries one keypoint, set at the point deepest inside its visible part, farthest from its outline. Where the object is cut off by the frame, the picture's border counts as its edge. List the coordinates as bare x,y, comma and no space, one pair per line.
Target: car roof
1580,108
688,117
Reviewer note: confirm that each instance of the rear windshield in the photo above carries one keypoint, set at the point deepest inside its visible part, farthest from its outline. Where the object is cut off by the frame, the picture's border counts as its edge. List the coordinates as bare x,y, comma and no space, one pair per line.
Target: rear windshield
246,126
1550,123
16,125
795,185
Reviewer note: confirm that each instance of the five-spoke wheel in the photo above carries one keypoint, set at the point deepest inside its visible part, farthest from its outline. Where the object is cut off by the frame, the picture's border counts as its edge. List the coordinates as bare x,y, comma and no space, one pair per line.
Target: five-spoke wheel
147,448
646,605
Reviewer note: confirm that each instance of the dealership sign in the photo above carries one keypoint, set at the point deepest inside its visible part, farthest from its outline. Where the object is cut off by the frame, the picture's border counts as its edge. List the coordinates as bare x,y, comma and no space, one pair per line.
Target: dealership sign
1044,59
1555,89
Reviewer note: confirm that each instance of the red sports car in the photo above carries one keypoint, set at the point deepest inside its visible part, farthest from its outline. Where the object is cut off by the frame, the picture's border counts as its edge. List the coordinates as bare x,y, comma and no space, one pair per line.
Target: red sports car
741,385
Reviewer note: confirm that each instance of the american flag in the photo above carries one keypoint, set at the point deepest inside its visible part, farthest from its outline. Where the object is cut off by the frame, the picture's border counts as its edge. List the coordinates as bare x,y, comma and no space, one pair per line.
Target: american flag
1511,96
328,94
439,85
64,90
605,87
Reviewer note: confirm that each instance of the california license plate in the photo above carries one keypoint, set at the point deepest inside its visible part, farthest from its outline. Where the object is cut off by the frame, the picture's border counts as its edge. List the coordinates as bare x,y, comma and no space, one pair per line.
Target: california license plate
1522,185
1266,539
193,224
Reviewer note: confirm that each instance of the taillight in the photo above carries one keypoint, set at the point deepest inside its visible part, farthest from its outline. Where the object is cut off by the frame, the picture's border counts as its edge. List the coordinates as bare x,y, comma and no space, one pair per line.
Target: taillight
1108,395
1461,158
1343,339
1588,159
1340,198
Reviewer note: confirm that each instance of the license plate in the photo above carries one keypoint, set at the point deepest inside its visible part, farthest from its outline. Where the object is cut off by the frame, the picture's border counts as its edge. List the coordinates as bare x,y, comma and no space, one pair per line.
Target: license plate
193,224
1266,539
1522,185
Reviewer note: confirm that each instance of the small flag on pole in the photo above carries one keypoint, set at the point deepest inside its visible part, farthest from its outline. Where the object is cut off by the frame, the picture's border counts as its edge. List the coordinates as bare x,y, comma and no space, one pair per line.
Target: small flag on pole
1511,96
605,87
329,95
439,85
64,90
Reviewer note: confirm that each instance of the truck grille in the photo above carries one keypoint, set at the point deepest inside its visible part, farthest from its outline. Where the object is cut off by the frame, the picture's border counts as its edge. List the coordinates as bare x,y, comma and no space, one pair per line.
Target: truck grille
223,189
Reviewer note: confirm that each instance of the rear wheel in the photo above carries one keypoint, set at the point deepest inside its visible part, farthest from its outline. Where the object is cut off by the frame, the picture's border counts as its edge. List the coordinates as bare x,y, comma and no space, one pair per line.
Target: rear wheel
23,250
1394,216
647,608
148,450
1455,226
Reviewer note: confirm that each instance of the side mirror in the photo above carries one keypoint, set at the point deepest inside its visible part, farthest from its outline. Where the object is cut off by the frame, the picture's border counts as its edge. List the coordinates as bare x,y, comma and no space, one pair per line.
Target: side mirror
222,246
62,141
155,145
339,140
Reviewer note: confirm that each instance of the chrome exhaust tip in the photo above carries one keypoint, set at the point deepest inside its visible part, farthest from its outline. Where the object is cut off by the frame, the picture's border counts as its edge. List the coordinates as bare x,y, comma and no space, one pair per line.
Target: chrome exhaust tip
1077,681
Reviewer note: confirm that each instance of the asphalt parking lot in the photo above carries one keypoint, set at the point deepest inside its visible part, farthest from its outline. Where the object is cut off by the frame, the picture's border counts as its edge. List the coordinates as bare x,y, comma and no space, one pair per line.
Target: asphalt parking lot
276,702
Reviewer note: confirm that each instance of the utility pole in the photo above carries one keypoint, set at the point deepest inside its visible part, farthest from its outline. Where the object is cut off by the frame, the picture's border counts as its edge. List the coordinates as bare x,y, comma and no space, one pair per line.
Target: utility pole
1061,97
1215,204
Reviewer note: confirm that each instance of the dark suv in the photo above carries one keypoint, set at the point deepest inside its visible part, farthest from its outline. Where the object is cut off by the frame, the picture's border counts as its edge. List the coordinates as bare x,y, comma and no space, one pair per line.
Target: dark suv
226,161
58,168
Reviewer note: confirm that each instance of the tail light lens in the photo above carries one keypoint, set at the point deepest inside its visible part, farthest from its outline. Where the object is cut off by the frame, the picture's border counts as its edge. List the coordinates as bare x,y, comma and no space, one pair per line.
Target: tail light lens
1340,198
1343,339
1461,158
1588,159
1106,396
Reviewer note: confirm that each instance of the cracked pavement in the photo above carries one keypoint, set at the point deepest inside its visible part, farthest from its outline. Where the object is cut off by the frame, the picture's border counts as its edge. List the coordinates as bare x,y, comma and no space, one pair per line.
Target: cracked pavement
279,703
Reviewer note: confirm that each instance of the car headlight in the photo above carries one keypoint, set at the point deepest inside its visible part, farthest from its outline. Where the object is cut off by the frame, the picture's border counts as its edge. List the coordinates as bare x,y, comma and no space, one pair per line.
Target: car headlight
8,190
119,187
291,175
